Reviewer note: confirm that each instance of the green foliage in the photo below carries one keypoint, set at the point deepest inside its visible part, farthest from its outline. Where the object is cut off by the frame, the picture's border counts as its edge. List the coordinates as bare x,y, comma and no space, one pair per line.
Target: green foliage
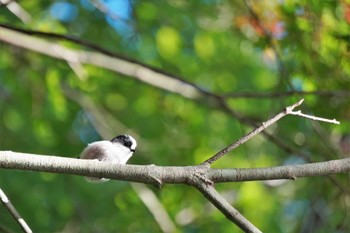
218,46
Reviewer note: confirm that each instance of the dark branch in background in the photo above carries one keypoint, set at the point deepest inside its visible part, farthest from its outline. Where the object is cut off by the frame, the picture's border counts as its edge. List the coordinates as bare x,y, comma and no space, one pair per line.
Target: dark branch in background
10,207
236,95
95,47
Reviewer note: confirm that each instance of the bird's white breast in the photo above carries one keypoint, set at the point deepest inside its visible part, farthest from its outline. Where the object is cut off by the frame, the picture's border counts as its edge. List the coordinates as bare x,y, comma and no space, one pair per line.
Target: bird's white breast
107,151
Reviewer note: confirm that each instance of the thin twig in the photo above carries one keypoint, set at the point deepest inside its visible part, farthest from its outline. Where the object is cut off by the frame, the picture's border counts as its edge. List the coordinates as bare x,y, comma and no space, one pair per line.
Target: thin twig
314,118
251,134
10,207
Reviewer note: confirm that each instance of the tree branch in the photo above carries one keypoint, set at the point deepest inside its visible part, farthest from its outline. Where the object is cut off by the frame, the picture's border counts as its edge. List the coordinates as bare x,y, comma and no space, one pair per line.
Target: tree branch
17,10
314,118
160,175
202,177
328,93
104,59
291,172
226,208
6,201
288,111
251,134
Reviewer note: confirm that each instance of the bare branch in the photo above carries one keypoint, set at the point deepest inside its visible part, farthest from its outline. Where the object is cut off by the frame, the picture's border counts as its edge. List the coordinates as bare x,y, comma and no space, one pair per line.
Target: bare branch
148,174
201,176
288,111
104,59
314,118
17,10
291,172
7,203
226,208
151,174
248,136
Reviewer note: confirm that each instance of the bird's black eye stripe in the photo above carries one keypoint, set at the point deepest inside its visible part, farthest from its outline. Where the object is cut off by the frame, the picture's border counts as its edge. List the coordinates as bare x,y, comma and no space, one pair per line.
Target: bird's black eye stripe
123,139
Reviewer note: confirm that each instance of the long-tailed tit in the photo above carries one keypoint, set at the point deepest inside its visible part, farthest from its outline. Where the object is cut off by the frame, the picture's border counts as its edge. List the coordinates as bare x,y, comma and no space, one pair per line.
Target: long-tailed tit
118,150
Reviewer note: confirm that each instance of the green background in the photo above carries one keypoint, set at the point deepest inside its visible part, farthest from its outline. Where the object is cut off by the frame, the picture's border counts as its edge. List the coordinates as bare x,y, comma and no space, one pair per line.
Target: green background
224,47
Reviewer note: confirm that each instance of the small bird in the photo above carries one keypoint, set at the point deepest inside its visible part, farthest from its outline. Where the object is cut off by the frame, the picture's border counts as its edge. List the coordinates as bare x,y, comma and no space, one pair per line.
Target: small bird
118,150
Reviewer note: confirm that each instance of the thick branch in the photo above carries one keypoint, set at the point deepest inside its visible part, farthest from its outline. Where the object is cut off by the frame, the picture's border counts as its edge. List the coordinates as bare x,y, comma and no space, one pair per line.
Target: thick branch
158,175
281,172
200,176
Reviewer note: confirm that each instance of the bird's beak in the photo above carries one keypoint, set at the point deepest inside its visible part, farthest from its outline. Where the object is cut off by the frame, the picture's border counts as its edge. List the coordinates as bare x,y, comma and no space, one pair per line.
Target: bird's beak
133,150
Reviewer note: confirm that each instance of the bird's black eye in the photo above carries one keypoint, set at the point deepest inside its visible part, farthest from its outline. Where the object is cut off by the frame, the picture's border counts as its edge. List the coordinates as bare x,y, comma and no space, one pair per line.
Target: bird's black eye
128,143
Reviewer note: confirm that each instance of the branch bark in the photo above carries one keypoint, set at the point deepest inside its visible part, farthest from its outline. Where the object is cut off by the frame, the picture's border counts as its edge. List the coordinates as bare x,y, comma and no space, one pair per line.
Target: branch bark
160,175
200,176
